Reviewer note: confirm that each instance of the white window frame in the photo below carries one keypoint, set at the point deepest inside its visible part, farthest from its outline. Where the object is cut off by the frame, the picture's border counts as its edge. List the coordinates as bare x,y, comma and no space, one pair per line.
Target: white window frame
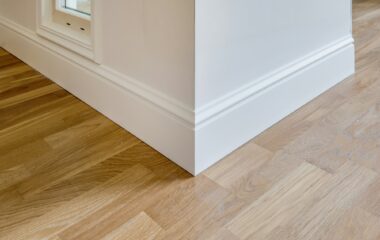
89,47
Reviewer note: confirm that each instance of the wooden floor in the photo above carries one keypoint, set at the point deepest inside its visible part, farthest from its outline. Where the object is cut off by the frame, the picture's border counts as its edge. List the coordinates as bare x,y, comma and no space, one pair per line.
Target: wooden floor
67,172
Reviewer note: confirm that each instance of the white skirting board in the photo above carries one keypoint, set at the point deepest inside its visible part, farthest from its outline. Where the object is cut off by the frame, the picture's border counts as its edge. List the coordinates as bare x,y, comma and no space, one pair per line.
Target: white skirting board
135,109
194,140
250,116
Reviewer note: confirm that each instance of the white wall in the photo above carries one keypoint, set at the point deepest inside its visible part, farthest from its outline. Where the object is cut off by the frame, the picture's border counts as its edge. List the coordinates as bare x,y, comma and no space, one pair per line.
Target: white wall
153,42
149,41
239,41
20,11
145,79
196,79
257,61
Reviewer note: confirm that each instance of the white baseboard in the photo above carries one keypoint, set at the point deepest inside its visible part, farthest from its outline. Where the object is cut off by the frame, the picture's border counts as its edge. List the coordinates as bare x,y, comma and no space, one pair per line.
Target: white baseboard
161,122
228,124
194,140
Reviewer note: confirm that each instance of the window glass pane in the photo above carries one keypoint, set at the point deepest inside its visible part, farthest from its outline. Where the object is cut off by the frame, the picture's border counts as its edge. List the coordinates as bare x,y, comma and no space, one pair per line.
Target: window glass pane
82,6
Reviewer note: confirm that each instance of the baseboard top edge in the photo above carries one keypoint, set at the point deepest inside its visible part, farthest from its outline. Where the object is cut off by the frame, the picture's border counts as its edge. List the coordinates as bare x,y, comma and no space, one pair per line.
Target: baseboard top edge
210,111
185,114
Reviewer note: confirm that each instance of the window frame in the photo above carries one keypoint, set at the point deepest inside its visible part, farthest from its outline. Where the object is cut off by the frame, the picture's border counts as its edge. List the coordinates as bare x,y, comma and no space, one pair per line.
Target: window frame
59,6
88,47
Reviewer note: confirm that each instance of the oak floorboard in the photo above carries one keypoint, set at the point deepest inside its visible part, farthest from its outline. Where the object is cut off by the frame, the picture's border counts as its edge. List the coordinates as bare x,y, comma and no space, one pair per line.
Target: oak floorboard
67,172
288,198
62,217
146,227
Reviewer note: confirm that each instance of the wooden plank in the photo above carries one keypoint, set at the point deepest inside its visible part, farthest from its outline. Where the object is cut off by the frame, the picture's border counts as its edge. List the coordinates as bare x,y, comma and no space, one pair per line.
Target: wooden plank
141,227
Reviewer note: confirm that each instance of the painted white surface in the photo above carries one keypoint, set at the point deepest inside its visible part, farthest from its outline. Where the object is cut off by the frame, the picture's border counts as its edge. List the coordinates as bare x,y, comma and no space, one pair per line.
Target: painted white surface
269,103
52,24
162,124
239,41
20,11
152,41
196,79
145,81
258,61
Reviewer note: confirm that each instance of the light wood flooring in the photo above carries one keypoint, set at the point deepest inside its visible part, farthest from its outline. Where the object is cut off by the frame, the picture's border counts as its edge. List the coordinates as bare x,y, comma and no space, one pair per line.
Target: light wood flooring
67,172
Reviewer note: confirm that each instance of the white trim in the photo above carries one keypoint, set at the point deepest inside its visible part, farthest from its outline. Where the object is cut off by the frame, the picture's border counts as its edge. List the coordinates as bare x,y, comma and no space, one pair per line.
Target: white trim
76,42
155,118
97,30
243,117
194,141
206,114
148,94
80,46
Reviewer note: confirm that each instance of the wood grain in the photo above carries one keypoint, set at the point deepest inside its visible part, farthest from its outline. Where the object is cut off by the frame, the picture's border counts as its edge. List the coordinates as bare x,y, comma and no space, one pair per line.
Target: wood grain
139,227
69,173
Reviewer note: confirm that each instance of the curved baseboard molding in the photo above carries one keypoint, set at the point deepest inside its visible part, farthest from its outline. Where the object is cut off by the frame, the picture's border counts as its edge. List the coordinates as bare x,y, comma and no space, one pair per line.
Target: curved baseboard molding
156,119
247,117
208,113
194,139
